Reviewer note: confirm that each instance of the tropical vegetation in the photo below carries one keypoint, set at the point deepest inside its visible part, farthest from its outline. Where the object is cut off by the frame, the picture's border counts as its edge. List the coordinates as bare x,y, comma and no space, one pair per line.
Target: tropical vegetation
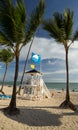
25,65
15,32
60,27
6,56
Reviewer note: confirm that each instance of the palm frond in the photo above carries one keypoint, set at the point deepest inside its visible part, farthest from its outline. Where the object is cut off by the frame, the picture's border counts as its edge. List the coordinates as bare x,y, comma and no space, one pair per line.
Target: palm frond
58,18
20,20
6,55
75,37
6,20
34,21
60,27
68,22
4,40
13,21
54,31
5,6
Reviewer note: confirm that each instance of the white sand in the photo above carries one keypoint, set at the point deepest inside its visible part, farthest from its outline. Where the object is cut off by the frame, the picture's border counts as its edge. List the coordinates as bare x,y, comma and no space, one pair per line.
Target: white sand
40,114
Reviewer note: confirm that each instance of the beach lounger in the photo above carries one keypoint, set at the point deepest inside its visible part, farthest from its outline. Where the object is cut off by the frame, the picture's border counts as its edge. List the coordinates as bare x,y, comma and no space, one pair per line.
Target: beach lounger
2,96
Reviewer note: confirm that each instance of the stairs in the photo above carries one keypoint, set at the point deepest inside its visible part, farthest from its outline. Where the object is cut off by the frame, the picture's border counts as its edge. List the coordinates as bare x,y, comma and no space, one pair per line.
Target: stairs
45,89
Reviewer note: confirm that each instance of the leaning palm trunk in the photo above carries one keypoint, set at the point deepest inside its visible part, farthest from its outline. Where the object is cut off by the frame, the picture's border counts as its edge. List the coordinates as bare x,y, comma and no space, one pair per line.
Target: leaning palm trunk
25,67
12,106
15,36
67,103
1,90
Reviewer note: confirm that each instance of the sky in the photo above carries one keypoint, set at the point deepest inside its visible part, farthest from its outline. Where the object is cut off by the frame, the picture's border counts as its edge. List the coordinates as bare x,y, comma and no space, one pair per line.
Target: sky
52,6
48,48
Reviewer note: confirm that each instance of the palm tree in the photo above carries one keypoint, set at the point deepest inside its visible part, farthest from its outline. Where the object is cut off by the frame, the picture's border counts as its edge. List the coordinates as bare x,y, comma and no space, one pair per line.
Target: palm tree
60,28
26,61
16,32
6,56
75,37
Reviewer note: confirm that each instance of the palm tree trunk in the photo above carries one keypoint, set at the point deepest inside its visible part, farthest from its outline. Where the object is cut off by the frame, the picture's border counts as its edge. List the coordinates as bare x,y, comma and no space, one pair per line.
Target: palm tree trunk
67,103
4,79
67,77
12,105
11,109
25,66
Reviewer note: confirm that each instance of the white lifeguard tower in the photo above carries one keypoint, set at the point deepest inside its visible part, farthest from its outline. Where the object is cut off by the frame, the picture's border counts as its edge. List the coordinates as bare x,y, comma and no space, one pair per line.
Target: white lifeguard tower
35,88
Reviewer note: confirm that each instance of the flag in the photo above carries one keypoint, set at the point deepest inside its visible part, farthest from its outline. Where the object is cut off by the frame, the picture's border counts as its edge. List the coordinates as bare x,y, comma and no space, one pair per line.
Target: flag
32,66
36,58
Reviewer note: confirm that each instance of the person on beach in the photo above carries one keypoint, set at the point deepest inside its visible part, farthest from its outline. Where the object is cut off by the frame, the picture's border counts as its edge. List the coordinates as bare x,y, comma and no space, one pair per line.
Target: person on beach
52,94
62,89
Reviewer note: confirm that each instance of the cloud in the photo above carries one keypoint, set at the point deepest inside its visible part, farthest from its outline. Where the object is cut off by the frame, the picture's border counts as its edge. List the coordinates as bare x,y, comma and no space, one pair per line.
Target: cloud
48,48
53,60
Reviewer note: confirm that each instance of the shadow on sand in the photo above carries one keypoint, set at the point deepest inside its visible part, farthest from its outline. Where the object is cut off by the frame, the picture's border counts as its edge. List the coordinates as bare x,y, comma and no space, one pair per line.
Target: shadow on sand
36,117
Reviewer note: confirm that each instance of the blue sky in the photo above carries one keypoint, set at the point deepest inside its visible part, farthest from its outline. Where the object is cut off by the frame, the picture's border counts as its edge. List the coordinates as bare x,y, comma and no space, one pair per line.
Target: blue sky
47,46
51,7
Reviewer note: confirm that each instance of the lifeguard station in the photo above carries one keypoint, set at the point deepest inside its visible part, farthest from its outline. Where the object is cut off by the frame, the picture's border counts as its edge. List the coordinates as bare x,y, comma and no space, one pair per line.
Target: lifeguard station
35,88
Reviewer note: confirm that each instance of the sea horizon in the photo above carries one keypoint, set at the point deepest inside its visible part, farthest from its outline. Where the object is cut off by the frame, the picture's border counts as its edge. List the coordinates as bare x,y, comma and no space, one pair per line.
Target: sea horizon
50,85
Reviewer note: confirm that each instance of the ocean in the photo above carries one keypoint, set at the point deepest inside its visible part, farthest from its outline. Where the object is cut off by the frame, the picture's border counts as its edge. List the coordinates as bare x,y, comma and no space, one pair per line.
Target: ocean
57,86
60,86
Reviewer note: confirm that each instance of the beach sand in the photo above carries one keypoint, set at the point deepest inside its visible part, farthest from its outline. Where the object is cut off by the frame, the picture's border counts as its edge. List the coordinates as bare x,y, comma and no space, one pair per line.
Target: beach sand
42,114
